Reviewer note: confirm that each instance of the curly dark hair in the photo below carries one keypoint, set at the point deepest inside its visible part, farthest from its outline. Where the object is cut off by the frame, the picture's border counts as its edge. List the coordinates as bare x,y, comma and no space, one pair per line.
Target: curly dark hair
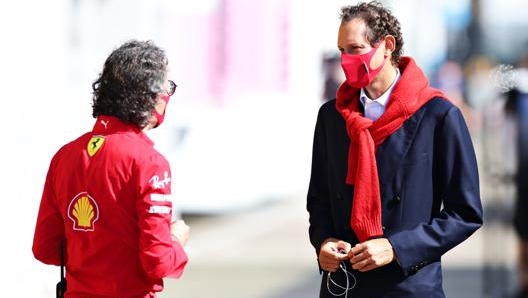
132,77
379,21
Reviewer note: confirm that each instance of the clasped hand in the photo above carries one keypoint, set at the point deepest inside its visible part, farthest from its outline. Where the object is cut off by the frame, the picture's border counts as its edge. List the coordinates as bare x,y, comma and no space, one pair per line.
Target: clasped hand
363,256
179,231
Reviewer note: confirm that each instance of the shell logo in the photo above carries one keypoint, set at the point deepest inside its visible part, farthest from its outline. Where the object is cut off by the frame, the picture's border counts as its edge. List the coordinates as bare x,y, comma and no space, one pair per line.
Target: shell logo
84,212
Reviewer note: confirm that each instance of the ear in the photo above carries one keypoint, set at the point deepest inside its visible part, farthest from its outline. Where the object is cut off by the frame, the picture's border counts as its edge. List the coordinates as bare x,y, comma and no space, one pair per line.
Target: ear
390,44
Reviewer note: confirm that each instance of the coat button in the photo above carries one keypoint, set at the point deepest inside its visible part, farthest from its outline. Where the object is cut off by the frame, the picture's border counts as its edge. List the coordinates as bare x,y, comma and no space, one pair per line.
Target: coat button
397,198
339,196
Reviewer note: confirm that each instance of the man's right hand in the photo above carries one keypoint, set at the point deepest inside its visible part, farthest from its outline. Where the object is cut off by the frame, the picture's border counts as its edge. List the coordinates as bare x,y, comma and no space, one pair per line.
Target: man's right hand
332,252
180,231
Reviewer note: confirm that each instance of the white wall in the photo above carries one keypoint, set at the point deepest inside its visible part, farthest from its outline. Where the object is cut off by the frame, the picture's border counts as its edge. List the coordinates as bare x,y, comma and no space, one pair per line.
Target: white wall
33,91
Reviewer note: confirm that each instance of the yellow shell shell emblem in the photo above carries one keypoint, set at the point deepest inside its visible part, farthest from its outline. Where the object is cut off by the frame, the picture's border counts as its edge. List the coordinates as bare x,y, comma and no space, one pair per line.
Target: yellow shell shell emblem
95,143
84,212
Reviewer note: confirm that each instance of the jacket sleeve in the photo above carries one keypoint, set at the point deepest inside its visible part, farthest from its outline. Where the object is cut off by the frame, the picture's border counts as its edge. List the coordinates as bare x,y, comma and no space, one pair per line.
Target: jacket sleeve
318,203
457,186
49,228
160,255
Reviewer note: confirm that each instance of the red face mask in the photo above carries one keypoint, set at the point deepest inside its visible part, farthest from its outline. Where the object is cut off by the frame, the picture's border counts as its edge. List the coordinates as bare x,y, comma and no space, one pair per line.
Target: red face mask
357,68
161,117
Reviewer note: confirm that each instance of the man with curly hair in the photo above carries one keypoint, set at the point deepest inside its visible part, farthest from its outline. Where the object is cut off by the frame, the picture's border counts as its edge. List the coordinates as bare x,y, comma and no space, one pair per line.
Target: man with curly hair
106,206
394,181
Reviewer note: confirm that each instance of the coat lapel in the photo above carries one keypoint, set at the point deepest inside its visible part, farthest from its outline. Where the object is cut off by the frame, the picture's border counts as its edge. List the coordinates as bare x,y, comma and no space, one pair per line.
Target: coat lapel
391,153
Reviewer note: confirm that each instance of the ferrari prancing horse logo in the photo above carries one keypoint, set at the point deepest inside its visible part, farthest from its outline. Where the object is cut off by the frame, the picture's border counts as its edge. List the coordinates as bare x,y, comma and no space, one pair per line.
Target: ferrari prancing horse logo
96,142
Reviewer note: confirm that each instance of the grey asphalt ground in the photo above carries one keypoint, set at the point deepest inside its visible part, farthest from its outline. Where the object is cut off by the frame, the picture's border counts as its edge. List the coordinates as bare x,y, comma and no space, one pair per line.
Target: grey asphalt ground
264,252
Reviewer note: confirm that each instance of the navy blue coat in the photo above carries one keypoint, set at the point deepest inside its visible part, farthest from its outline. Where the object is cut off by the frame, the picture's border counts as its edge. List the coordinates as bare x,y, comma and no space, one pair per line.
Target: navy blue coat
429,191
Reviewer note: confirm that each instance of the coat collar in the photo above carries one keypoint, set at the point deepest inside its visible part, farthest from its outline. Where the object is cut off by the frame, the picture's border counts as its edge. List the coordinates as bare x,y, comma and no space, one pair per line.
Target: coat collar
393,151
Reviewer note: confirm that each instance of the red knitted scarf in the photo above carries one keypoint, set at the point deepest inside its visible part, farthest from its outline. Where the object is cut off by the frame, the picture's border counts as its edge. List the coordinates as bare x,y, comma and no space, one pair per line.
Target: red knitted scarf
410,93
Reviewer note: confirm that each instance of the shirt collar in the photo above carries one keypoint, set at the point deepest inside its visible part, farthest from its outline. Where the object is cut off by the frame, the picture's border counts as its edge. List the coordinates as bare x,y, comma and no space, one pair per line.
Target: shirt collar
108,124
384,98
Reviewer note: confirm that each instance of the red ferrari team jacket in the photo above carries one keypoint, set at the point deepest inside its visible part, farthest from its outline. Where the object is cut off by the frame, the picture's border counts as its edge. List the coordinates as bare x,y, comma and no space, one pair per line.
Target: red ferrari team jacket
107,195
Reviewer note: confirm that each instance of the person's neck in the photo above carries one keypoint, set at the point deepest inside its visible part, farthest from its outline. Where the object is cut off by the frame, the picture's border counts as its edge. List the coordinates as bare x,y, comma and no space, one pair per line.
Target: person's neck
149,127
382,82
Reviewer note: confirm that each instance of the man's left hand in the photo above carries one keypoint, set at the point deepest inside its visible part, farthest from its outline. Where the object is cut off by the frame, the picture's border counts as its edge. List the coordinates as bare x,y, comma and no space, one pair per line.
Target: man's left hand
371,254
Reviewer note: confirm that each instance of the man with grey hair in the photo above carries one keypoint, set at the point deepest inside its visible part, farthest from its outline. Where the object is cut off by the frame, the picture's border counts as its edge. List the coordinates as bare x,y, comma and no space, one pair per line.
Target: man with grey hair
105,212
